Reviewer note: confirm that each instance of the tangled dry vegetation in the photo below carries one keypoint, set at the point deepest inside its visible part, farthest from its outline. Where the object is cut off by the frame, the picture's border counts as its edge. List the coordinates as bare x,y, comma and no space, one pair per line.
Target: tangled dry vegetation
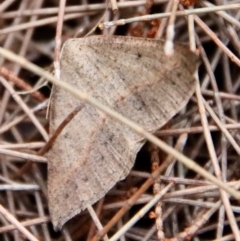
161,198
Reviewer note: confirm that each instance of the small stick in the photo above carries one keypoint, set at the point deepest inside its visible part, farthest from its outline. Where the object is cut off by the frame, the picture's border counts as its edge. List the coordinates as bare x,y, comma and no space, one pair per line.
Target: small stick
74,9
5,4
188,233
163,23
196,129
66,234
26,109
165,15
98,211
8,75
17,224
35,221
224,15
96,220
222,127
223,95
58,40
31,145
219,43
22,155
168,47
40,22
140,213
114,6
155,160
18,119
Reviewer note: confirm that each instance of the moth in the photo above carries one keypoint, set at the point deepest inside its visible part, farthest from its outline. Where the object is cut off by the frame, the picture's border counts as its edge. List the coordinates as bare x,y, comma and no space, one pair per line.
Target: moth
132,76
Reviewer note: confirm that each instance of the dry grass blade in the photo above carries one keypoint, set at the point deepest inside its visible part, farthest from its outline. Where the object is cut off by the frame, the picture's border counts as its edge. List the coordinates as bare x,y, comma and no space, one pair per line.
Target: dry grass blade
206,130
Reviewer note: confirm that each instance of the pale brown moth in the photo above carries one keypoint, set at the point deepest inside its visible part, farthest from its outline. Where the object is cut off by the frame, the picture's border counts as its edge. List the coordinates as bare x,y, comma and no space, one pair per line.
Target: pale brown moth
132,76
